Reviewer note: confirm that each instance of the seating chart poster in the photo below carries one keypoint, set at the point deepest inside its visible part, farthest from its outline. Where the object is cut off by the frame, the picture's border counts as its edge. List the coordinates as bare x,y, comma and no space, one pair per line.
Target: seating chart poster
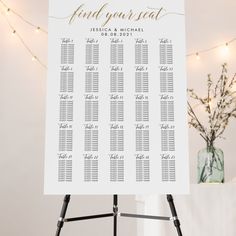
116,98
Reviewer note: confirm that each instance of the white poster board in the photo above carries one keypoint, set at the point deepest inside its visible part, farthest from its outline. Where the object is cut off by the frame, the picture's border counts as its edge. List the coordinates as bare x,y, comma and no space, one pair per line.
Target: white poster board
116,99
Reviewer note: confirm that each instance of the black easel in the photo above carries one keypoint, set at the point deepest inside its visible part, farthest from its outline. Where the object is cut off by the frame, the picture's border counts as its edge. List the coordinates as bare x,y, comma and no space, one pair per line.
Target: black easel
115,215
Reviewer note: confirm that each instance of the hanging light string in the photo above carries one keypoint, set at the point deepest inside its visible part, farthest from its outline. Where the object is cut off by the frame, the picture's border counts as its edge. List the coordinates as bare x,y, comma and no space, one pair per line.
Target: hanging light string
8,10
38,28
14,32
197,54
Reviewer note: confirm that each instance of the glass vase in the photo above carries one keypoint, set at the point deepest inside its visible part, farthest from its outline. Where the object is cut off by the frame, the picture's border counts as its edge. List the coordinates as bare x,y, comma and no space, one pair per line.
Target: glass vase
211,165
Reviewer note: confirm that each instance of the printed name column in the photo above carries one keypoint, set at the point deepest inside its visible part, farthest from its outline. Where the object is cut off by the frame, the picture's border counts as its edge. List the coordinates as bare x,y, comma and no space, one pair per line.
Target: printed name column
141,96
167,109
91,105
65,116
116,155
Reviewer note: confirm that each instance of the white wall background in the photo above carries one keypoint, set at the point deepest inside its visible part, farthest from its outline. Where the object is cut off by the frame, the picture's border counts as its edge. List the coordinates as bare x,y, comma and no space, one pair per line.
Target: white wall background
210,23
25,211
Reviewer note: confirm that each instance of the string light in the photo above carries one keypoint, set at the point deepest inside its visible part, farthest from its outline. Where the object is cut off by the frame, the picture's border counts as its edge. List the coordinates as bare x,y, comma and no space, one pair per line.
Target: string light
8,10
225,46
37,30
14,32
34,58
197,56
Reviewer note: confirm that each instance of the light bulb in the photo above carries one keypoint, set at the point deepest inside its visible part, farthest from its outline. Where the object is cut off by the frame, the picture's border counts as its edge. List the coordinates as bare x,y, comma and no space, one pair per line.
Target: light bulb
225,50
210,103
38,29
197,56
8,11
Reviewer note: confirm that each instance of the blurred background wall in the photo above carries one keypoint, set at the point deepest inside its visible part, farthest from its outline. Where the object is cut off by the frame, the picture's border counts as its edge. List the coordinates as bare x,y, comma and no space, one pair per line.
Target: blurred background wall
25,211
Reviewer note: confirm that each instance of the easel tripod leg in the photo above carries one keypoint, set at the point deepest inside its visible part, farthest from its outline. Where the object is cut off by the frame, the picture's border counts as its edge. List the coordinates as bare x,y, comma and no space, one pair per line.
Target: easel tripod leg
115,212
60,222
174,214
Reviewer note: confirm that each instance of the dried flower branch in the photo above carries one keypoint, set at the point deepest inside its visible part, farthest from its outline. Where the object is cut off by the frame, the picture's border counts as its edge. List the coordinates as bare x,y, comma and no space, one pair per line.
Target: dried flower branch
219,104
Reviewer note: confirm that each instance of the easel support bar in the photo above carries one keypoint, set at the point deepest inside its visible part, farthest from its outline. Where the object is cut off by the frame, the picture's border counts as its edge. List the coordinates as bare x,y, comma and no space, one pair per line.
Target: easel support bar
60,222
174,214
88,217
146,216
115,214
